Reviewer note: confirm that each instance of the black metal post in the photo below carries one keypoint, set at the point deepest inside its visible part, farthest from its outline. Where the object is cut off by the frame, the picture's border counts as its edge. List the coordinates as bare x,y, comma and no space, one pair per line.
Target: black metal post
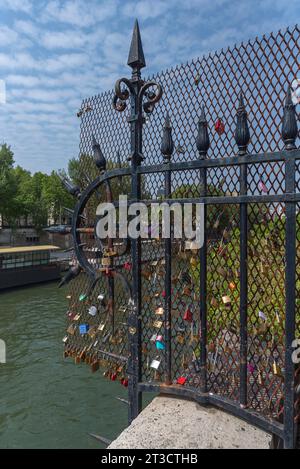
289,135
137,89
136,61
242,137
167,148
203,143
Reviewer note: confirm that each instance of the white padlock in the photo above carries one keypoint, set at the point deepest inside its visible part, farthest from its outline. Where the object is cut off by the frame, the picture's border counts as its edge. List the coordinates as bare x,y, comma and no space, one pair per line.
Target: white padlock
296,91
92,311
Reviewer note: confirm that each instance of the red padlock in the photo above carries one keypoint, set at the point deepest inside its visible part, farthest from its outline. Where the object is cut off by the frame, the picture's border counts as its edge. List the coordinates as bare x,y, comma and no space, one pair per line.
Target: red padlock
181,380
220,127
164,293
188,315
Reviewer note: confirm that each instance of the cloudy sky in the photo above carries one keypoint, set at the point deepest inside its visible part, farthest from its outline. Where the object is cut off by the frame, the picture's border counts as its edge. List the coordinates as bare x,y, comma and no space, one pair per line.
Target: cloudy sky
55,53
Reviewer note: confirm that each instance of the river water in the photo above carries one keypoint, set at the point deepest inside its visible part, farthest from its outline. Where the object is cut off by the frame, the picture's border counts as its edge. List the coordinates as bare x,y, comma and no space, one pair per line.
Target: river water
47,401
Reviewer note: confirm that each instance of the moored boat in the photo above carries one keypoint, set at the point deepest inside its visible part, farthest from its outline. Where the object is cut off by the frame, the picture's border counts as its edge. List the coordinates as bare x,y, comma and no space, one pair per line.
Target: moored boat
27,265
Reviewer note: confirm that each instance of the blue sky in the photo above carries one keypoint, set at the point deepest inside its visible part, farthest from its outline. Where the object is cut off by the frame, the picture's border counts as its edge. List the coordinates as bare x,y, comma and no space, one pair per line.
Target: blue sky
55,53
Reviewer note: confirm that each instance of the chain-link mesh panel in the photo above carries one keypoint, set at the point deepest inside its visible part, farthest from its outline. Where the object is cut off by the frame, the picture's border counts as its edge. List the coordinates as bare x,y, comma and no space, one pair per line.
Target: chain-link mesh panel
262,69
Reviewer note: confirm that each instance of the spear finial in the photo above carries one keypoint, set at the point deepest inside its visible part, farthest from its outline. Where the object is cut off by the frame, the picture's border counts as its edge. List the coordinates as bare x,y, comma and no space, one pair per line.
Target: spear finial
242,134
202,140
136,59
167,145
99,158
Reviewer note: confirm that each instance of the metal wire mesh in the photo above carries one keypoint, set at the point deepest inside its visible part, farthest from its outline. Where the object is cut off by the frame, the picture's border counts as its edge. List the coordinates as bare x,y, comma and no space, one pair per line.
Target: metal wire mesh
262,69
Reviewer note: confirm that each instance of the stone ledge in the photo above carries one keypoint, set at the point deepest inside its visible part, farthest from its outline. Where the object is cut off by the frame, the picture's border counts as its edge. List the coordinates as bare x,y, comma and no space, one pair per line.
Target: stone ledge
173,423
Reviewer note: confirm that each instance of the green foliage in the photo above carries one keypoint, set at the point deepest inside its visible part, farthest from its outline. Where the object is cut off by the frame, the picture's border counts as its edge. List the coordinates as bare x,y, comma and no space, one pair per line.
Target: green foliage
32,197
218,216
223,215
83,170
266,276
7,182
55,196
39,197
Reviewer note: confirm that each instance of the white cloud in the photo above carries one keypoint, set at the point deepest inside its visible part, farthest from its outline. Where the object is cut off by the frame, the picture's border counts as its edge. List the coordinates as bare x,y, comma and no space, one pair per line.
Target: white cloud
78,12
2,92
73,38
8,36
147,9
29,107
17,5
44,95
27,27
24,81
64,39
64,61
55,64
68,50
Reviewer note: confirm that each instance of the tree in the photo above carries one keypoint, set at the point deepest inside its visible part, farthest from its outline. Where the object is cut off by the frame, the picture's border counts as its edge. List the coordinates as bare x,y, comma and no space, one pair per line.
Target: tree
83,171
23,198
35,197
56,197
8,185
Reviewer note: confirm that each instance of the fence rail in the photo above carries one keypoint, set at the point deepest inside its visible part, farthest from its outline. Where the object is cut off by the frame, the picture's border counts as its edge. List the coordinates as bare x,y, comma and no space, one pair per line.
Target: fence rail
227,314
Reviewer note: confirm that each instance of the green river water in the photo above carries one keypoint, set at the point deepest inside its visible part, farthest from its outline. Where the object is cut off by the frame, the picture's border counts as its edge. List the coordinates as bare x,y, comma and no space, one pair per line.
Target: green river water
47,401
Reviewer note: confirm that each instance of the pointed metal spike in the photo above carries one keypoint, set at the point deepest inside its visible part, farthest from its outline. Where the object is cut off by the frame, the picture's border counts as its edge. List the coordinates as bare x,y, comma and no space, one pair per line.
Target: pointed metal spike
119,159
136,57
81,245
241,101
120,165
167,144
59,229
202,118
94,141
69,210
288,99
167,121
70,275
71,188
99,158
242,133
69,249
202,140
122,400
102,439
88,179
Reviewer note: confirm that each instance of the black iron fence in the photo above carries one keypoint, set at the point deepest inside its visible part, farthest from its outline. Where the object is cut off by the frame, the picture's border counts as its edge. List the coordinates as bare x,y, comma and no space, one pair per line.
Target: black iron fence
215,324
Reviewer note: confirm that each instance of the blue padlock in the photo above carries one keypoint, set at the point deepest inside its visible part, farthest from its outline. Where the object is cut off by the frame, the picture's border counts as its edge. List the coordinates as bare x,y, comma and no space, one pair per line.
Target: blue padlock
83,329
160,345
